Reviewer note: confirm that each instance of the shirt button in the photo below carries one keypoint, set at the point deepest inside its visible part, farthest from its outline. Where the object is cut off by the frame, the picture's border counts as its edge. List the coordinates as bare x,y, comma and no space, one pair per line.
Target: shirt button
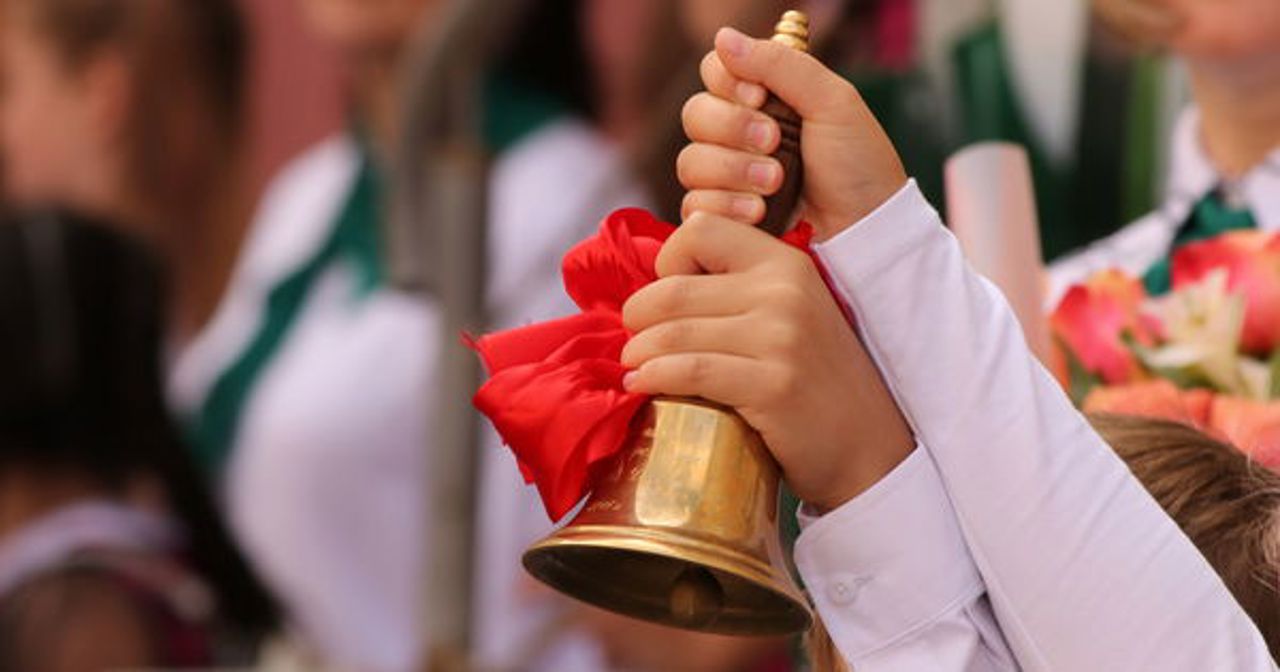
843,591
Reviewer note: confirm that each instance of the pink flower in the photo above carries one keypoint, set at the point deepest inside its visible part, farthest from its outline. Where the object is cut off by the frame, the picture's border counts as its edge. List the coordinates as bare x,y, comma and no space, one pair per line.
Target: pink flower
1093,320
1252,262
1252,426
1157,398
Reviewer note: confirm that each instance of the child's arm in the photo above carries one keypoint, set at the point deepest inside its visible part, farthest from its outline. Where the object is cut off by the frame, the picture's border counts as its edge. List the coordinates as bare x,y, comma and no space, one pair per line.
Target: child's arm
1081,567
758,330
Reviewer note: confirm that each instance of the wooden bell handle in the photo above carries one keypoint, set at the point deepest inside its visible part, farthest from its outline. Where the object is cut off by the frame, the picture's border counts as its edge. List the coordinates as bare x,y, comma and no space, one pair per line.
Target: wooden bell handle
780,208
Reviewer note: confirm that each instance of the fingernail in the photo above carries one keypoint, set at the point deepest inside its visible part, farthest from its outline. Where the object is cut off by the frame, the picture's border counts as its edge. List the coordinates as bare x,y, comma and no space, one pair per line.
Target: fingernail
733,42
759,133
629,380
763,174
751,95
744,206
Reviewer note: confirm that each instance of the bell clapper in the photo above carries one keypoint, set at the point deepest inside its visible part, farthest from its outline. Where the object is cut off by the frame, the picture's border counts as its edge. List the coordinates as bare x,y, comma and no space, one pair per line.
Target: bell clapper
696,597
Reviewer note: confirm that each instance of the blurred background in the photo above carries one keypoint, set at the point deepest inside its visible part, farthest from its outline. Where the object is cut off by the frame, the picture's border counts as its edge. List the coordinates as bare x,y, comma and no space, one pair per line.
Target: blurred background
244,235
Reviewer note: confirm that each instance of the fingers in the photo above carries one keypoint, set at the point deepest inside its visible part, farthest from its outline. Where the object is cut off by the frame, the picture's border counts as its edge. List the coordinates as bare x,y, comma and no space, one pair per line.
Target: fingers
746,208
813,91
708,119
724,85
725,379
702,166
706,243
682,297
747,334
731,142
725,335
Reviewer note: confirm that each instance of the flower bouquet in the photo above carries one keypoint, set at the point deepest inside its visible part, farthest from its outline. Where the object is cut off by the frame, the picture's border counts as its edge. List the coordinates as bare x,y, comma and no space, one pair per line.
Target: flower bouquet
1207,353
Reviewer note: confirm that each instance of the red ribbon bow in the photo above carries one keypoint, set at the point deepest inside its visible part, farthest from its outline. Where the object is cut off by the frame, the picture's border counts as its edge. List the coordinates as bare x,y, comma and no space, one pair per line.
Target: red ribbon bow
555,390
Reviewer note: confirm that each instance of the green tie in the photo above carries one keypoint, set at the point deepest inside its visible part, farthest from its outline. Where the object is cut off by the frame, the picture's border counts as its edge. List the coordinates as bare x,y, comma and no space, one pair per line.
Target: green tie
1209,218
355,240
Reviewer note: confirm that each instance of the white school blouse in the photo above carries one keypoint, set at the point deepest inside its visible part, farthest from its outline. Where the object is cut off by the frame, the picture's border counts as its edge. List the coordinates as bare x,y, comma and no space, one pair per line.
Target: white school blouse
1013,538
325,488
1192,176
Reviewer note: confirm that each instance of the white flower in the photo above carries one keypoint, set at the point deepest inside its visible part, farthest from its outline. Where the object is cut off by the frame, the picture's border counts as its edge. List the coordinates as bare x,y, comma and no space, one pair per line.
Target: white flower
1202,328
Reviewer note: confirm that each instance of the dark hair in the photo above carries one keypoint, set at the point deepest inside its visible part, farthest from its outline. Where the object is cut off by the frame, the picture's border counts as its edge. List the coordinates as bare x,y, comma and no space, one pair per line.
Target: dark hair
188,60
1227,504
547,55
82,391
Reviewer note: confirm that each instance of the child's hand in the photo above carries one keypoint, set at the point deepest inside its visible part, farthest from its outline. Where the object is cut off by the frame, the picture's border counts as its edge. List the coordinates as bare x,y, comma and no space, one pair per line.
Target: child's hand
745,320
850,165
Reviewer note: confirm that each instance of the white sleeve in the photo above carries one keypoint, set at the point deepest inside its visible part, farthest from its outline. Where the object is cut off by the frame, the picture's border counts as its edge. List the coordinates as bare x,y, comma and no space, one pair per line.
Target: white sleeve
1082,568
894,583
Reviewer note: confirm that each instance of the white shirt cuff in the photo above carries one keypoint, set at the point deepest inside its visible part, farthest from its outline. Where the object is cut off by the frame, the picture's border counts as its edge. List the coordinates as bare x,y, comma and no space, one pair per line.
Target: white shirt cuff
889,562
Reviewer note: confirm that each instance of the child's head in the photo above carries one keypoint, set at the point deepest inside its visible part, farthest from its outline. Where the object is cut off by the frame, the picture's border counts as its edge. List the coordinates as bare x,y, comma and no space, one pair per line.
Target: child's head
80,350
82,395
1227,505
1214,30
115,106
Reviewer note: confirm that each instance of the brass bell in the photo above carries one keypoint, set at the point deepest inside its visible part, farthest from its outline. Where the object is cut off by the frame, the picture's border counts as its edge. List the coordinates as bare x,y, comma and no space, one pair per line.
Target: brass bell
681,529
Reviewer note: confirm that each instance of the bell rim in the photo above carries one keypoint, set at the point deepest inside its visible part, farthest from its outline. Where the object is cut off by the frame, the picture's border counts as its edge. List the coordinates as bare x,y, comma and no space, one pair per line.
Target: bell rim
659,542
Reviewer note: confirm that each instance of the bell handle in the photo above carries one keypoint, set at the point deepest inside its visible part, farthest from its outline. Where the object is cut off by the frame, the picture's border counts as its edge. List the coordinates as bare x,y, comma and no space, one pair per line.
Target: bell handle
780,208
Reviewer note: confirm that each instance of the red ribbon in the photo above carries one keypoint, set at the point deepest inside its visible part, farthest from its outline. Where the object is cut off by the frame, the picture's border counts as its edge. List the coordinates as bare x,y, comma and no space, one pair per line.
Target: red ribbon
555,390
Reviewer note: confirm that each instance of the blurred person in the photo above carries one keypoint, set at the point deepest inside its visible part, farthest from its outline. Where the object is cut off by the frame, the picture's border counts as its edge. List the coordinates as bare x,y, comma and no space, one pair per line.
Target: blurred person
1090,108
313,473
131,110
1225,159
305,392
326,485
111,553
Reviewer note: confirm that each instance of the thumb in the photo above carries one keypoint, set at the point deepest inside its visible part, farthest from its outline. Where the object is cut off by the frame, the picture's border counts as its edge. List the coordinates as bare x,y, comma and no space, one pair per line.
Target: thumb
810,88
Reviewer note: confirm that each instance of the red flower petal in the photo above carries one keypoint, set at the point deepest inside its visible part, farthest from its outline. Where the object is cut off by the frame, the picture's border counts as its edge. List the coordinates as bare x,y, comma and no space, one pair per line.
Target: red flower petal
1093,319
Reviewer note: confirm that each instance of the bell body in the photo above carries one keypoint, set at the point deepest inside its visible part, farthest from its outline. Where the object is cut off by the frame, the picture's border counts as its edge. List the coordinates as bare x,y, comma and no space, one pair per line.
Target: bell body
681,529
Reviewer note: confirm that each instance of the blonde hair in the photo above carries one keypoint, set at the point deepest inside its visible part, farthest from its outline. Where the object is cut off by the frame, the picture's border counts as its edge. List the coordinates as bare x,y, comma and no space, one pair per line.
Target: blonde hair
1225,503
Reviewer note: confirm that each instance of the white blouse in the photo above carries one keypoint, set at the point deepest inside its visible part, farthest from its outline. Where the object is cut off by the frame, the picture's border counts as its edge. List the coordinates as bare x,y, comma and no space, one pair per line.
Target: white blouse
326,485
1192,176
1013,537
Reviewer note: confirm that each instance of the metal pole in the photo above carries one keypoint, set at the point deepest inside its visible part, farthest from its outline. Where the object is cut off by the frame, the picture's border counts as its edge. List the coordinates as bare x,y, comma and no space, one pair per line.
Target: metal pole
437,246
